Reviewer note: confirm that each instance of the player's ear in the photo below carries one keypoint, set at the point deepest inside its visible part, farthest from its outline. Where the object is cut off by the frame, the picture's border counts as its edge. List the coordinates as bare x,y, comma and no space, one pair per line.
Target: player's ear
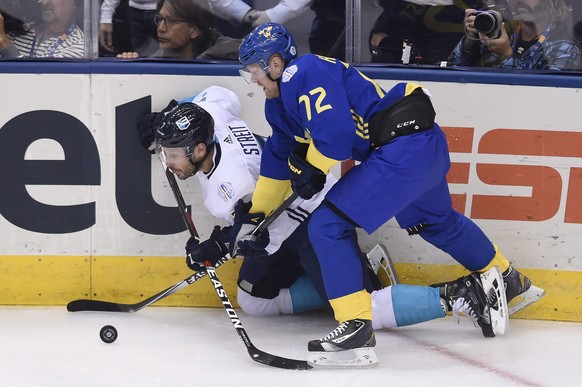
277,65
200,149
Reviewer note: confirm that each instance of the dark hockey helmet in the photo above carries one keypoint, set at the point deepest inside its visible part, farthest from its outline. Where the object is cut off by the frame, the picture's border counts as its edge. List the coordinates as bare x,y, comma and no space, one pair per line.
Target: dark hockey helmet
186,126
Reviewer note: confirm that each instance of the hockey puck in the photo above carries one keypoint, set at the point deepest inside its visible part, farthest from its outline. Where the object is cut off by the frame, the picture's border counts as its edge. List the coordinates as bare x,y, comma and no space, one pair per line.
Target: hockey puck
108,334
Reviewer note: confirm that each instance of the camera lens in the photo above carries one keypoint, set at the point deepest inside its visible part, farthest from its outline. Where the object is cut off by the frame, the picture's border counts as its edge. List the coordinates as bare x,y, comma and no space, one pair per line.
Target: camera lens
484,23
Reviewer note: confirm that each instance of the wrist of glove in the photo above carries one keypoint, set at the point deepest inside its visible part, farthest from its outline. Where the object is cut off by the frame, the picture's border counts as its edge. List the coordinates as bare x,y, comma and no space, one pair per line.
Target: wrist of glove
211,250
148,124
244,224
306,180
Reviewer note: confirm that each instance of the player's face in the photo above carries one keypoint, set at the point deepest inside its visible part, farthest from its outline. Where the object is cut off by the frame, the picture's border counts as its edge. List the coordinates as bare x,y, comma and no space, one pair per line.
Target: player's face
271,88
178,162
254,73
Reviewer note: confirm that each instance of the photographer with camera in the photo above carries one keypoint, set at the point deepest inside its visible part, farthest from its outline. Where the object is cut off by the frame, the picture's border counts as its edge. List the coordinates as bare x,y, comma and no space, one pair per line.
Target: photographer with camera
537,38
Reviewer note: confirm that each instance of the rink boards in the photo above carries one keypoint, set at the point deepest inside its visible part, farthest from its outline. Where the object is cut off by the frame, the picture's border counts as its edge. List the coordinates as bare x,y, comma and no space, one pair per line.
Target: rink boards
86,212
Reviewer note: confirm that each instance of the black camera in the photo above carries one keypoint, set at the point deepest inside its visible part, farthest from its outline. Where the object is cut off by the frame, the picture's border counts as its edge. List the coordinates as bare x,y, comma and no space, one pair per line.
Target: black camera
488,23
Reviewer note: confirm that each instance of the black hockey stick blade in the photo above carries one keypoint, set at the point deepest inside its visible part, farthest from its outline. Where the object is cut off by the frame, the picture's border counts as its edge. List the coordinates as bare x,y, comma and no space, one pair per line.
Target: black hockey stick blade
108,306
277,361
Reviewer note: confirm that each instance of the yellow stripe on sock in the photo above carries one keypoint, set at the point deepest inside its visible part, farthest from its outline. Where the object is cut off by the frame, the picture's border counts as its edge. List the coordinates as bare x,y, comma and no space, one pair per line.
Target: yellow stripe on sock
352,306
497,260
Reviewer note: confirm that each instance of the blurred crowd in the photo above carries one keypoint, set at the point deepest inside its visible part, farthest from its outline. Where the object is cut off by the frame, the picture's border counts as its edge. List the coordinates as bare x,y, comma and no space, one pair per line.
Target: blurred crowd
518,34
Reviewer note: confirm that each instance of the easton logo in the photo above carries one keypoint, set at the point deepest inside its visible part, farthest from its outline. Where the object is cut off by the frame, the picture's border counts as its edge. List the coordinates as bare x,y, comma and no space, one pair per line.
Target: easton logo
224,298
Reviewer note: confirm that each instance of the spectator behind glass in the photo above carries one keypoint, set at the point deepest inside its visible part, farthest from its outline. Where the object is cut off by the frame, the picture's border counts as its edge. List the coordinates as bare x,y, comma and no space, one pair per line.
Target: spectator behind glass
142,28
431,28
56,36
328,35
540,38
16,18
186,31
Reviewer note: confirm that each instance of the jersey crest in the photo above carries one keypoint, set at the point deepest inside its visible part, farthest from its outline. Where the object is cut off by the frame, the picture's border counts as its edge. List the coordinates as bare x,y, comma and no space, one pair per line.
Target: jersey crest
225,191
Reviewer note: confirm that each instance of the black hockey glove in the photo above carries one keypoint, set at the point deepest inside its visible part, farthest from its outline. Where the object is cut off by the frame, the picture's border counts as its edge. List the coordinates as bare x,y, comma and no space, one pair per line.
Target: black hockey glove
210,250
244,224
254,246
148,124
306,180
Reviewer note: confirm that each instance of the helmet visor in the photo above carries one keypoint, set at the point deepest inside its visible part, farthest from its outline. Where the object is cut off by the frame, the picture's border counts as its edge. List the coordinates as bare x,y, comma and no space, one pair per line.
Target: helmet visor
253,72
172,156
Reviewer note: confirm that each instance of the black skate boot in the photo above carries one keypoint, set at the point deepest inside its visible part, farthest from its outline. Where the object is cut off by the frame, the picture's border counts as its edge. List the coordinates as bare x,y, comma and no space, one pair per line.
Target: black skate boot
519,289
349,345
467,296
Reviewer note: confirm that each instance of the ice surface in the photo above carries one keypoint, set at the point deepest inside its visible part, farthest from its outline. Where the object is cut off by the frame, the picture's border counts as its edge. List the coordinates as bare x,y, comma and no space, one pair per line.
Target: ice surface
48,346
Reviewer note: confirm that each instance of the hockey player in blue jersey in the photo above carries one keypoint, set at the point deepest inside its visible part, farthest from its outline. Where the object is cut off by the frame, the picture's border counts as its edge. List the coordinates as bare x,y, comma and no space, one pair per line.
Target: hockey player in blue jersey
204,137
323,111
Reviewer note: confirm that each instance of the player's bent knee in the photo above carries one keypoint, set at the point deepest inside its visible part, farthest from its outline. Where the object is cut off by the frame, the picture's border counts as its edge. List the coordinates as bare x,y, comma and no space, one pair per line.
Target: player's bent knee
257,306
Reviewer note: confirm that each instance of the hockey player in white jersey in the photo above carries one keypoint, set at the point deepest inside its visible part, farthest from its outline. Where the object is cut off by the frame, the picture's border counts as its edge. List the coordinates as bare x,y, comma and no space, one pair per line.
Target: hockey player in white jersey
205,136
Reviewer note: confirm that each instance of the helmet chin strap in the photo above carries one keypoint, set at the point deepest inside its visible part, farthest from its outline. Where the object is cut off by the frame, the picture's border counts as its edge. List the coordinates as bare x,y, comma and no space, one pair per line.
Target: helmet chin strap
277,81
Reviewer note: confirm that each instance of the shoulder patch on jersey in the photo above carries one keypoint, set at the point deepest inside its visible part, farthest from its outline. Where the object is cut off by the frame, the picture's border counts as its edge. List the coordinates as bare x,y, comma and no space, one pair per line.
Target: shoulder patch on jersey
225,191
288,73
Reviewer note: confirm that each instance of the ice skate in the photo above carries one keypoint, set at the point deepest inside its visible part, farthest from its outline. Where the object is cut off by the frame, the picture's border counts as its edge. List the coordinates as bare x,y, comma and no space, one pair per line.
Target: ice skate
382,265
350,345
481,298
519,290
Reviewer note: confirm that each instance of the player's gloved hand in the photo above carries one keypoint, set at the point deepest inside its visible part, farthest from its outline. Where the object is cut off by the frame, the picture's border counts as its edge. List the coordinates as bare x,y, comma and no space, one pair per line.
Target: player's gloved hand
212,249
244,224
306,180
254,246
148,124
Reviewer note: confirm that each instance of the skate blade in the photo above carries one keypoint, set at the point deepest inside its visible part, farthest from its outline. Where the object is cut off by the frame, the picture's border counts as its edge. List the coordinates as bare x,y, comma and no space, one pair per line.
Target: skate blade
352,358
526,298
498,313
382,265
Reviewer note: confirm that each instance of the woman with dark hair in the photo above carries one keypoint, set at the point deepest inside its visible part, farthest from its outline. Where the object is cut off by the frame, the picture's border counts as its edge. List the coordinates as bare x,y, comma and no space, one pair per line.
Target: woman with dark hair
186,31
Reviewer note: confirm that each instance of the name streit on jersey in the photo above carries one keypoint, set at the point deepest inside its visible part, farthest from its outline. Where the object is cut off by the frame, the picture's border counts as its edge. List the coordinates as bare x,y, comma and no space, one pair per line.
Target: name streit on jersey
246,139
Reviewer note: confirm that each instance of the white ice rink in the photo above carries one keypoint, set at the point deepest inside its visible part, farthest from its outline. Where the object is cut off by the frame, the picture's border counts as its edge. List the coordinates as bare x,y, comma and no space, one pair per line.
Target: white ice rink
48,346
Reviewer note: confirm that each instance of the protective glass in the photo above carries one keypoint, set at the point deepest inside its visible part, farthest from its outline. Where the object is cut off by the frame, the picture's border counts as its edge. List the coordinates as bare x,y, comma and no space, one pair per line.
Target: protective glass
253,72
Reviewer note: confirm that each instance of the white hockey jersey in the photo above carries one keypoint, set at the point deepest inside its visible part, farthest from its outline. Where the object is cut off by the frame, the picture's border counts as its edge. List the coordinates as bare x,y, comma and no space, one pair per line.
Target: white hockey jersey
237,160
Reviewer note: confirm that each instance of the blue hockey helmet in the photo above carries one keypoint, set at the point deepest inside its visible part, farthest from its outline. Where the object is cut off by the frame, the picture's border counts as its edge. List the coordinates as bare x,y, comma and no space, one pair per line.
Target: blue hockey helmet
264,41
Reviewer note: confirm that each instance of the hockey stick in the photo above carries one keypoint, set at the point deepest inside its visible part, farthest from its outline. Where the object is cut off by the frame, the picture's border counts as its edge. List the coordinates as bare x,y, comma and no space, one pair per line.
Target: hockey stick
85,305
108,306
255,353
